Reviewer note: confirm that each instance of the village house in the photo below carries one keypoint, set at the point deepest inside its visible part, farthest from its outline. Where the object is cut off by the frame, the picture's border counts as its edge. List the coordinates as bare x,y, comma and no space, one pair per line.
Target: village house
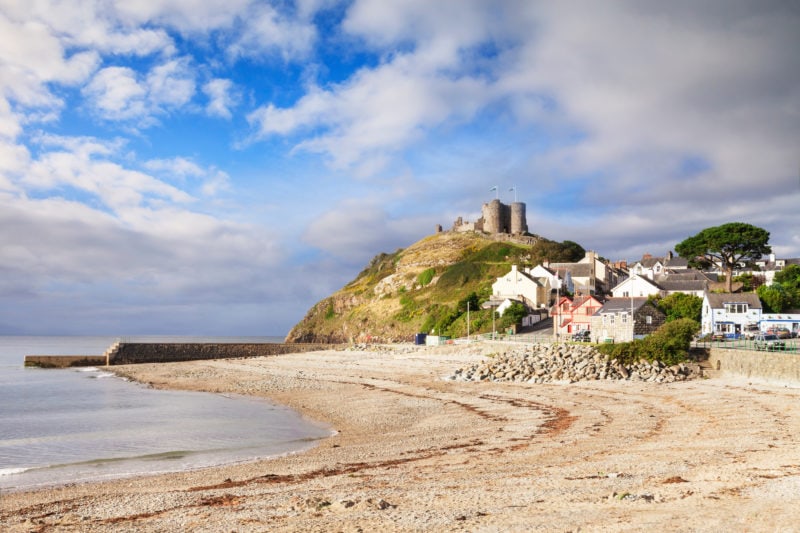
688,281
728,314
625,319
520,286
650,267
559,280
573,315
590,275
637,286
768,266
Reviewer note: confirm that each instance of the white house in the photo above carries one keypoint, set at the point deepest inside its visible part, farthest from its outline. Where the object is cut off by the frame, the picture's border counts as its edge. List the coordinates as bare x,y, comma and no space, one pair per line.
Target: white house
556,281
635,286
650,266
522,287
728,313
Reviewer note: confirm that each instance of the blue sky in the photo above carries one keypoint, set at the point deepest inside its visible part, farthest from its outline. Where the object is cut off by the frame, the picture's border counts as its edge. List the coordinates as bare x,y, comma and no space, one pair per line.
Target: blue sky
216,167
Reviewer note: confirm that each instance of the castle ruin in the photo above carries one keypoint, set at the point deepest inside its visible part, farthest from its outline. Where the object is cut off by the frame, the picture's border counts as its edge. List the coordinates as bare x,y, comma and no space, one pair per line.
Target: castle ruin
497,218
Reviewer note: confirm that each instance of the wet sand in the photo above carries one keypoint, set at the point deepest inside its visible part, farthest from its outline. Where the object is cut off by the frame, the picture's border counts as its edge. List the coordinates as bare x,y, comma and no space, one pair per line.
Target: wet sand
416,452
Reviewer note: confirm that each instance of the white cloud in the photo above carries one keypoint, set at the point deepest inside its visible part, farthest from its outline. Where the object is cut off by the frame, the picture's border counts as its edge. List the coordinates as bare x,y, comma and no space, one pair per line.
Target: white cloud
265,30
120,93
376,112
212,180
83,164
177,166
171,84
355,230
219,95
117,94
187,16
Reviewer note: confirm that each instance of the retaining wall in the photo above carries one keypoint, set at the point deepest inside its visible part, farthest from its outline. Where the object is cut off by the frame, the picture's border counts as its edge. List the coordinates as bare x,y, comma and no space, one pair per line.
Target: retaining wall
779,366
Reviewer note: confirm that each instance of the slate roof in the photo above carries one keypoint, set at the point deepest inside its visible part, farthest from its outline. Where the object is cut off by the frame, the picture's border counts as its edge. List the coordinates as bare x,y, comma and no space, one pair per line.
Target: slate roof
576,270
678,285
618,305
718,300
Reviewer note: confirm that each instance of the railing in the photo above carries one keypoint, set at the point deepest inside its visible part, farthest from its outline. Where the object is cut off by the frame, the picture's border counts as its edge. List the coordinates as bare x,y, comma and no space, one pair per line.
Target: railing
789,345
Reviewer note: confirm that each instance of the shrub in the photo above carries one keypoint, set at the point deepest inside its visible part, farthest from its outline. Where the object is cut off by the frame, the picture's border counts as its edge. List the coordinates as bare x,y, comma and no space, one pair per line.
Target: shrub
669,344
426,276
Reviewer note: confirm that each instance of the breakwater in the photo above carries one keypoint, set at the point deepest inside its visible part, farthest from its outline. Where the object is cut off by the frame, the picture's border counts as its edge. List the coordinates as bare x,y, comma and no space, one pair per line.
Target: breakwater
128,353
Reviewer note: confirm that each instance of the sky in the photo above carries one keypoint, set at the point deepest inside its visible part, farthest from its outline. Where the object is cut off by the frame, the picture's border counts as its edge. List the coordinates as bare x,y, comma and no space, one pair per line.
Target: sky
210,167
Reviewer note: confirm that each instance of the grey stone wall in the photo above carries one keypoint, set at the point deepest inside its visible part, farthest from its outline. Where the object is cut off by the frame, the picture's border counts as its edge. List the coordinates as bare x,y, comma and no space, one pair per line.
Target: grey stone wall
777,366
133,353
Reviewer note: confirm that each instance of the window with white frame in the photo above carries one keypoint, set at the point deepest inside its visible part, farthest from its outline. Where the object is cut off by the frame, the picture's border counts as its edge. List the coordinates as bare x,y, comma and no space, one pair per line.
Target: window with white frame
735,308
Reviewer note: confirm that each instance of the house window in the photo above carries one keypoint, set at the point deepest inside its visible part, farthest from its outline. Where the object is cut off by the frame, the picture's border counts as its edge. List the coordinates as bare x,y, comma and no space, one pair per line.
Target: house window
604,320
735,308
648,320
611,319
624,318
625,294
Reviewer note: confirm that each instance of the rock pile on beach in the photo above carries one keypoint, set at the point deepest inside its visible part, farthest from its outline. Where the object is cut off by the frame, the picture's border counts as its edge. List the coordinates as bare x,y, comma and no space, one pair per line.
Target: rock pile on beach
545,363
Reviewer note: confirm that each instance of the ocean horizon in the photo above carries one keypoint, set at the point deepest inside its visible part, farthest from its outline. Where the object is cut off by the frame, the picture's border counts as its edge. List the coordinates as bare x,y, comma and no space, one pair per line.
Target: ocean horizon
61,426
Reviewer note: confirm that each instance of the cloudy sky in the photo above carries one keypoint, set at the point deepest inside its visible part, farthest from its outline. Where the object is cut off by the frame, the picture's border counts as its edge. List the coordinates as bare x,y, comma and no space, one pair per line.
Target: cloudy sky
215,167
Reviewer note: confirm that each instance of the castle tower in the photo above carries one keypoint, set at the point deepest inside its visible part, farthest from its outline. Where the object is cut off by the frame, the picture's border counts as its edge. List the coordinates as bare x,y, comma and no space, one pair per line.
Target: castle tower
493,216
519,222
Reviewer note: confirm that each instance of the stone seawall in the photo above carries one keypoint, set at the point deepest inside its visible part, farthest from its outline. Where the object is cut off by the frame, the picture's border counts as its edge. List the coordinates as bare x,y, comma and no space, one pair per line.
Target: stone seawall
778,366
63,361
133,353
128,353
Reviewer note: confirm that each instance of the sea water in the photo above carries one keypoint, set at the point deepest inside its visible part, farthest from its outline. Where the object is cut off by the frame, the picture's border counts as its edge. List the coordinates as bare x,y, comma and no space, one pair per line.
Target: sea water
61,426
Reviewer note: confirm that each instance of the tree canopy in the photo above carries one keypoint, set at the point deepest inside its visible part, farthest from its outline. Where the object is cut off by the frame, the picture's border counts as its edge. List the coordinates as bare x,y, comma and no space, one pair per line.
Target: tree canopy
725,246
784,293
556,252
680,305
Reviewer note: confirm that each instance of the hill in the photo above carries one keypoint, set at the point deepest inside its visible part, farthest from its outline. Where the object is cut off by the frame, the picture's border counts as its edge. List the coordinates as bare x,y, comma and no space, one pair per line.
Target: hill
417,289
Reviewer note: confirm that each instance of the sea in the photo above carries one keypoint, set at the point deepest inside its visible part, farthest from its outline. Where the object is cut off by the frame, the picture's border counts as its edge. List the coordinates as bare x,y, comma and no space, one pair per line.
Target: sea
62,426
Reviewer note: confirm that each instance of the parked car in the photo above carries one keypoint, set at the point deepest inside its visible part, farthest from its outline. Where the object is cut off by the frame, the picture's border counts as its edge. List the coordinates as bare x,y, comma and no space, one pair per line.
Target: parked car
582,336
768,341
751,331
781,333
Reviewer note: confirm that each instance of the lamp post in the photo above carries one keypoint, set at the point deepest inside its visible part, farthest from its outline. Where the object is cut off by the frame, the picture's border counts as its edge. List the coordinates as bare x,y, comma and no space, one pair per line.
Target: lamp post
493,330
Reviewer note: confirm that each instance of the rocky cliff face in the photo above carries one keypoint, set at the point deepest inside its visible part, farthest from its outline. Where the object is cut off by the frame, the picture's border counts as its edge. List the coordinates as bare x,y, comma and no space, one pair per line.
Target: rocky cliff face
397,294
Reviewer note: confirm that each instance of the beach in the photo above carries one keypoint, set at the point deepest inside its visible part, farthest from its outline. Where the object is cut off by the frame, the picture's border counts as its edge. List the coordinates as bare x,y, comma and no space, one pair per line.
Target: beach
417,452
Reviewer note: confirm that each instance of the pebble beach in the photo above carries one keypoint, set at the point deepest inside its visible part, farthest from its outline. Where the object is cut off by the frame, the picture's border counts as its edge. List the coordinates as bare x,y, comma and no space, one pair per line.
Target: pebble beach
419,447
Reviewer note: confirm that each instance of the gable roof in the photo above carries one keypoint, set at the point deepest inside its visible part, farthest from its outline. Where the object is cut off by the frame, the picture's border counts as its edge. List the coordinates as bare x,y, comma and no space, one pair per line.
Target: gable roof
717,300
634,278
576,270
618,305
679,285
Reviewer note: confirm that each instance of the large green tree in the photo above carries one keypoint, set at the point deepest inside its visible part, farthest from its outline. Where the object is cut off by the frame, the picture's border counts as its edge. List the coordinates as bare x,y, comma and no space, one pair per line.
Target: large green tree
725,246
680,305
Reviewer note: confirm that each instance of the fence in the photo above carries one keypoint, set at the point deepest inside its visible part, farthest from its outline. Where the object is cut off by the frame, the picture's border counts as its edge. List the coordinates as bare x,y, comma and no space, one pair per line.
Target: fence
790,345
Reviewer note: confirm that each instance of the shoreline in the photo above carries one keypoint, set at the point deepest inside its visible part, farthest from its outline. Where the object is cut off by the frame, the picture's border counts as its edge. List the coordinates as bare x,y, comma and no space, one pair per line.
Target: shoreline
416,452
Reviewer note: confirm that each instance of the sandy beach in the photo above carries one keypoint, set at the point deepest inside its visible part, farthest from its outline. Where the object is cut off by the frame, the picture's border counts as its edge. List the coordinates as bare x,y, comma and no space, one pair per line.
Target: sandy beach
416,452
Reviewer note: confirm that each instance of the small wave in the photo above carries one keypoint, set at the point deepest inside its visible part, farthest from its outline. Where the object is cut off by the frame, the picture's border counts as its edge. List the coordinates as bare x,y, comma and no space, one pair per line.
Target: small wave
87,369
12,471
